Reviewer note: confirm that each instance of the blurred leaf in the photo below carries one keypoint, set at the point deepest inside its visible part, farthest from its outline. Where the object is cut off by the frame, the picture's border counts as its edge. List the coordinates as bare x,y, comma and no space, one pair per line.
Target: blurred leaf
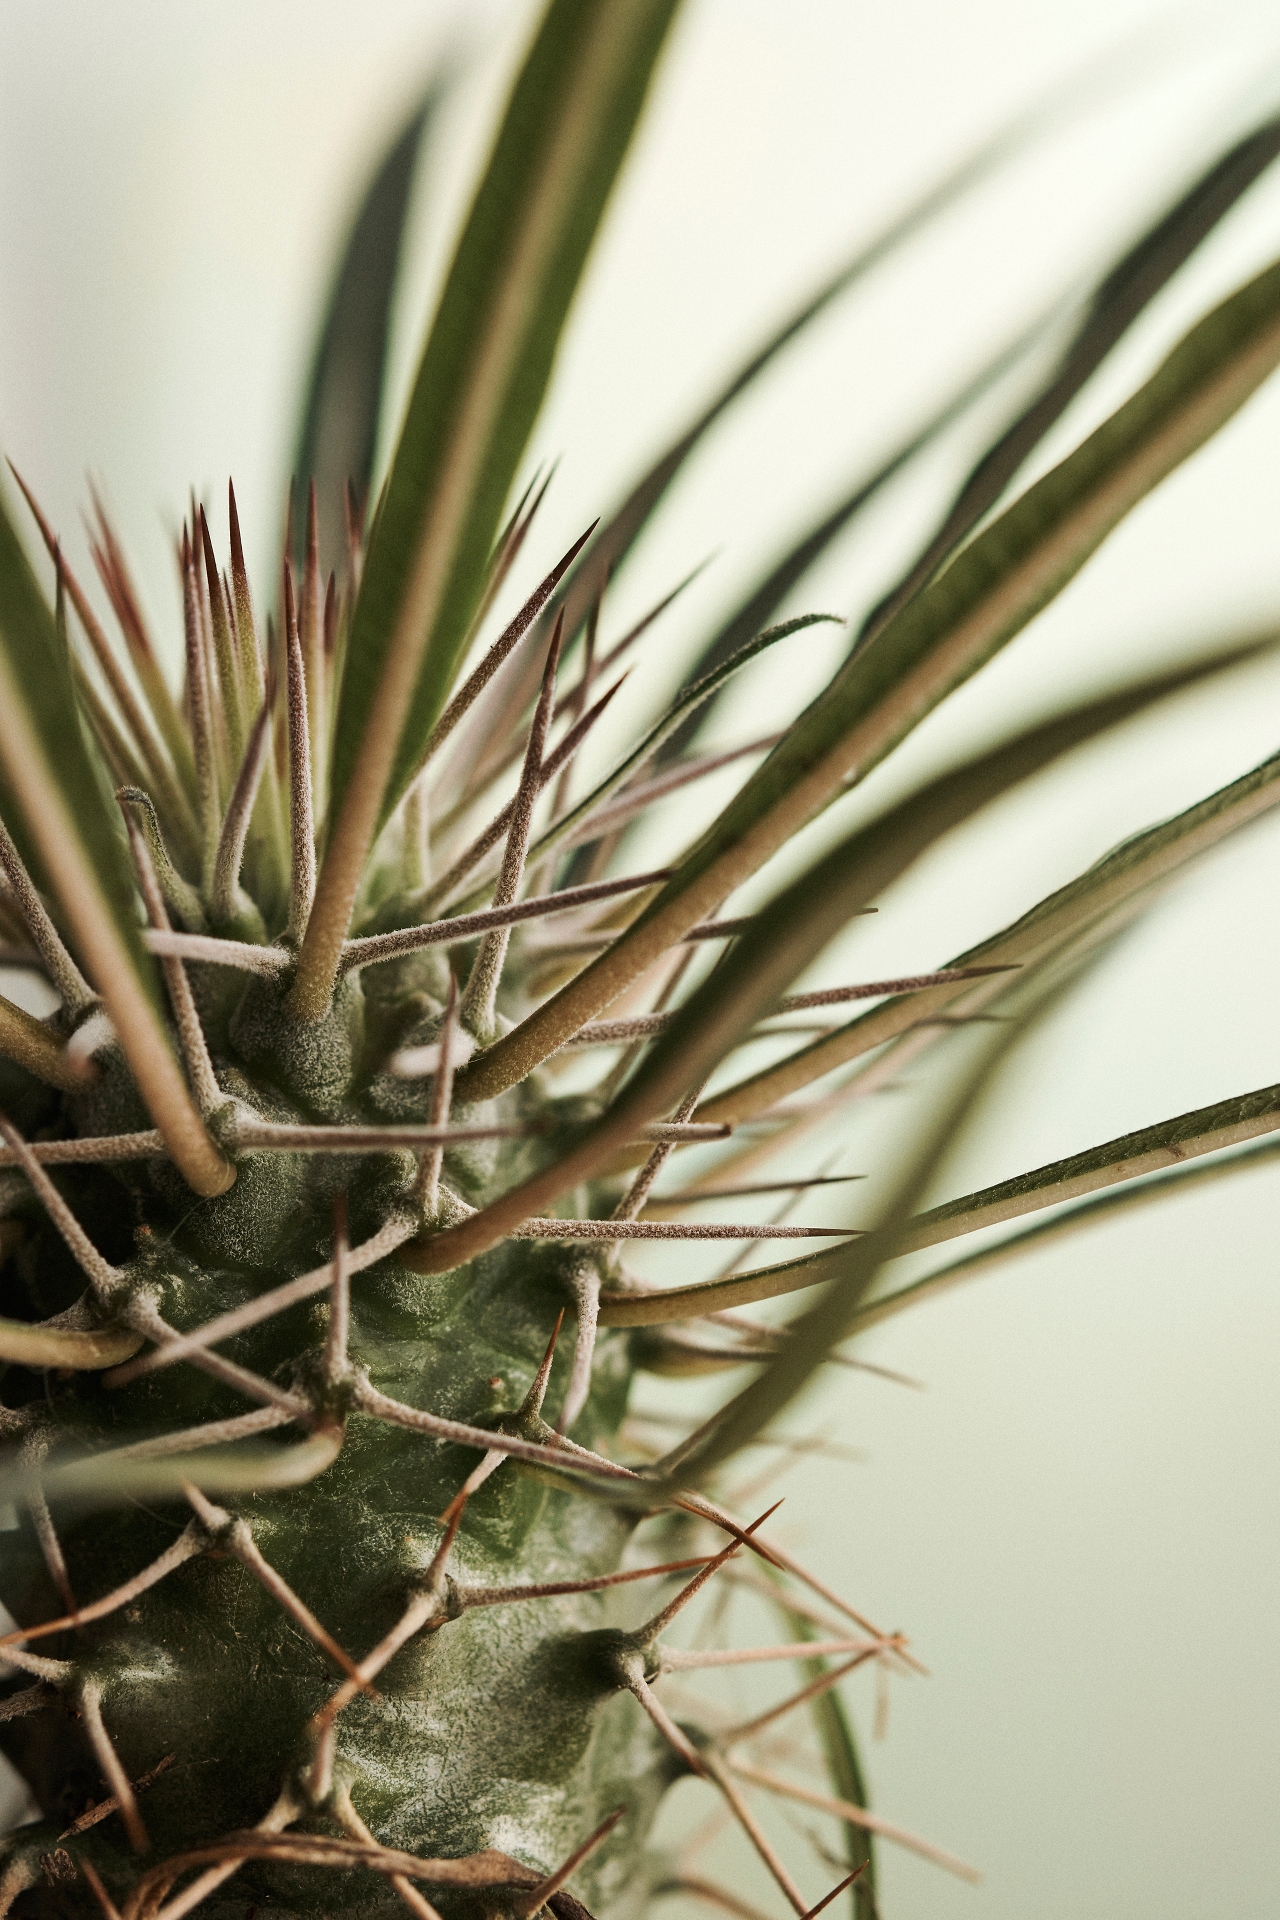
73,824
769,594
938,640
815,1333
1126,292
781,940
1114,882
1089,1213
1150,1150
484,371
338,432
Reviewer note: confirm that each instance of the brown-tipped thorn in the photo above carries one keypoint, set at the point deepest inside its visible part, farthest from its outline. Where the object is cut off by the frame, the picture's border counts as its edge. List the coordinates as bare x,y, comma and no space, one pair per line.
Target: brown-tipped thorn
754,1831
510,636
195,1049
109,1760
529,1903
229,704
648,1634
823,1684
198,697
531,1405
353,524
236,1537
551,1590
859,1817
558,758
478,1004
836,1891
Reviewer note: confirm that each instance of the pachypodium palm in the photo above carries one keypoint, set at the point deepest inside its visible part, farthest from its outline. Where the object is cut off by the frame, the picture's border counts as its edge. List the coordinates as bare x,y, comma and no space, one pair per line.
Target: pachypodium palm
343,1581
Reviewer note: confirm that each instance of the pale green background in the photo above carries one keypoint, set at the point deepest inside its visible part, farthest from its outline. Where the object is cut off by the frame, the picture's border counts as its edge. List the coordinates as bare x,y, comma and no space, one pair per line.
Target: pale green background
1077,1522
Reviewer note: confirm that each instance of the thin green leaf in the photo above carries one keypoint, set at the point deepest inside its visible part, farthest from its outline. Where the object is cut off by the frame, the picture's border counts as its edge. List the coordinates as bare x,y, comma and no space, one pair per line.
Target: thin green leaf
1126,292
338,430
486,366
778,944
1089,1213
69,818
787,573
1150,1150
937,641
1109,887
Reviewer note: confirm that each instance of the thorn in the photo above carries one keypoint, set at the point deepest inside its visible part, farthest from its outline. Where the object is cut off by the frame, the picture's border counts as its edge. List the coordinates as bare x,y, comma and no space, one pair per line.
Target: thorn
195,1050
335,1351
347,1817
529,1903
35,1448
109,1908
426,1190
555,1228
368,949
236,1536
585,1282
102,1276
436,1571
634,1198
648,1634
531,1405
639,1686
302,861
311,641
478,1005
501,821
502,646
473,1482
109,1760
859,1817
186,1346
551,1590
823,1684
836,1891
754,1832
105,1808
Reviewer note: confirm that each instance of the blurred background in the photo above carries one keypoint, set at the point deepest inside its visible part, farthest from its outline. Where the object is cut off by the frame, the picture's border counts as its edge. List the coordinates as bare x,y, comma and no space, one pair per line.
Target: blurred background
1077,1520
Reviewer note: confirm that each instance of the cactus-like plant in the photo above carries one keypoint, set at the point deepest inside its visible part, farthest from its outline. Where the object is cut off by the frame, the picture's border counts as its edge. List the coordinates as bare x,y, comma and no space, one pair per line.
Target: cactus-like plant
341,1583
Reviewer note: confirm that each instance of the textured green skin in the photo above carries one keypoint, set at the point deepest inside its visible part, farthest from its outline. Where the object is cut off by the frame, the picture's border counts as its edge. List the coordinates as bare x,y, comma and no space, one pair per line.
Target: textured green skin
503,1728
